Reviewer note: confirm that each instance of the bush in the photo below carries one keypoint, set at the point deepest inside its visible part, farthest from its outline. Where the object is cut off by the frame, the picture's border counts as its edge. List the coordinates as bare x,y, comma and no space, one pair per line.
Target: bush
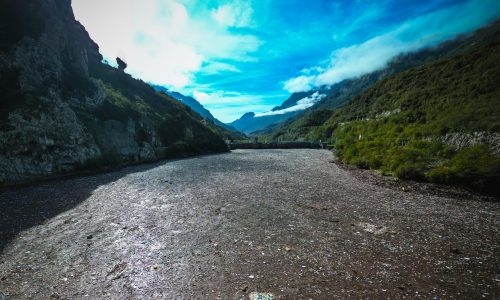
474,167
409,171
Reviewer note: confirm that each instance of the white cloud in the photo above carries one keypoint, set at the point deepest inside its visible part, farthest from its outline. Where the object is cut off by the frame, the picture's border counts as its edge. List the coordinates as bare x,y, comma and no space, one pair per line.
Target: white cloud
301,105
228,106
160,41
374,54
218,67
236,14
298,84
228,114
224,97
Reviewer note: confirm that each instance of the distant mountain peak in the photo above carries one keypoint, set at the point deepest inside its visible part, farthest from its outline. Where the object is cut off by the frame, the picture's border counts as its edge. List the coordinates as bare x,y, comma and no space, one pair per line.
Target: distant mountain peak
247,115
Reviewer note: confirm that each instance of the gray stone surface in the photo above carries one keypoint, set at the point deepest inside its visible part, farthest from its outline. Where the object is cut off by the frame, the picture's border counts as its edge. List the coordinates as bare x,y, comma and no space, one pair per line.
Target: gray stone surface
285,222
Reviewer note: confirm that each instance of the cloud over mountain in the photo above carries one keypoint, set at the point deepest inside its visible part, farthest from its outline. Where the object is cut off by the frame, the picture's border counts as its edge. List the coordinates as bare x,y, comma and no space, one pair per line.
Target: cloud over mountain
373,54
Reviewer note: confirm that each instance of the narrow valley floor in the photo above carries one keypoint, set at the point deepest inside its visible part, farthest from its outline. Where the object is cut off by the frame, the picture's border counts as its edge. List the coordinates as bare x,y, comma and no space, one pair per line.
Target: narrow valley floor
286,222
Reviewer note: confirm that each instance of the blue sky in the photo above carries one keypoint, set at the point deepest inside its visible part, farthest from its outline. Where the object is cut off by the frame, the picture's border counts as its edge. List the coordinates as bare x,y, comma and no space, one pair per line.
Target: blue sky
240,56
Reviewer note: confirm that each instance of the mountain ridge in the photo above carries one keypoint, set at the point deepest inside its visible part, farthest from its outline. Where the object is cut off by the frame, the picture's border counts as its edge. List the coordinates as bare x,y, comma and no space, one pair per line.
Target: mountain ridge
438,121
63,110
223,129
296,128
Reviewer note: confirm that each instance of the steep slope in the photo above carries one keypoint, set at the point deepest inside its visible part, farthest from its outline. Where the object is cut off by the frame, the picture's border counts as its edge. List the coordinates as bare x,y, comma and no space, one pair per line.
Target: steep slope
250,123
438,122
222,129
63,110
300,127
188,101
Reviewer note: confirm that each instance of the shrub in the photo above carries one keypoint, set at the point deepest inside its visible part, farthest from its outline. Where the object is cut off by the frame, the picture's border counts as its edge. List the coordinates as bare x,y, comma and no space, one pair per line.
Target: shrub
473,166
409,171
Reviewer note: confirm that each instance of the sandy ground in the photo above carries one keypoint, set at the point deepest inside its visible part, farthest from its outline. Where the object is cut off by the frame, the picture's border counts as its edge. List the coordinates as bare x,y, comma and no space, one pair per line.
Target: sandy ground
285,222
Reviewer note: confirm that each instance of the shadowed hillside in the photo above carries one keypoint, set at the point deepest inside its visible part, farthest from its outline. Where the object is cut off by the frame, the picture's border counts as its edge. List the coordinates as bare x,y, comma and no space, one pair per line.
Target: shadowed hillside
63,110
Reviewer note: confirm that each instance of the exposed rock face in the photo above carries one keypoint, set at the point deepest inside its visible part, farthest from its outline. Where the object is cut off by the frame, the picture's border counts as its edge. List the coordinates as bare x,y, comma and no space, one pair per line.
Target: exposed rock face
464,140
62,108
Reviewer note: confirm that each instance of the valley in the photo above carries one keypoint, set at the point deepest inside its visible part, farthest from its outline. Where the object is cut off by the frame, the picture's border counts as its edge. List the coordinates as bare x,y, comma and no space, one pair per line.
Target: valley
287,222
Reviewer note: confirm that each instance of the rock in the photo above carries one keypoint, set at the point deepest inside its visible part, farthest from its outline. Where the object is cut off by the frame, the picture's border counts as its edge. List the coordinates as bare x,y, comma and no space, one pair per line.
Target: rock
60,114
460,140
288,249
121,64
261,296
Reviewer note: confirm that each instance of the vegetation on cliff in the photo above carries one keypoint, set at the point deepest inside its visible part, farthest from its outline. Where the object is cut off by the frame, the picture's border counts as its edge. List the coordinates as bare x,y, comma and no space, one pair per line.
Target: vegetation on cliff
399,123
438,121
63,109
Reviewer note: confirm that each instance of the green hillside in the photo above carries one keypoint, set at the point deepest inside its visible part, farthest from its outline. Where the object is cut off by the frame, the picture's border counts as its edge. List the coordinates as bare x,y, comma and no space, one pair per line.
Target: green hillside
405,124
302,126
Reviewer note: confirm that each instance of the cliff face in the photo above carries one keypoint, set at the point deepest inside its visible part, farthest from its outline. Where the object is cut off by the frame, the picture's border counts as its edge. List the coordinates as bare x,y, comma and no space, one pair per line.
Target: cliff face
62,109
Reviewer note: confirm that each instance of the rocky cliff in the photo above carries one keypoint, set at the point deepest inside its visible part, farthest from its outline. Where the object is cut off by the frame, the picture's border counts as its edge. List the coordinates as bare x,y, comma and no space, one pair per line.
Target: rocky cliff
63,110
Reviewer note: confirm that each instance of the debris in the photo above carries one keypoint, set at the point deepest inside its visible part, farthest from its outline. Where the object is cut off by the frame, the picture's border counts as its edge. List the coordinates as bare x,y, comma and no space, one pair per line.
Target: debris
333,265
118,269
261,296
251,277
89,237
288,249
371,228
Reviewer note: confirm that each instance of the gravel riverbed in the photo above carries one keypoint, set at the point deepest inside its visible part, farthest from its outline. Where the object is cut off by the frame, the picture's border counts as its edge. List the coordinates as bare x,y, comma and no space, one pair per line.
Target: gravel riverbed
286,222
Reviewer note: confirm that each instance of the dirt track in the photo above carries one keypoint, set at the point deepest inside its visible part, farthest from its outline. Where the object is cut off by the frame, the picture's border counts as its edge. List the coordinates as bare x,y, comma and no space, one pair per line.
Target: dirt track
288,222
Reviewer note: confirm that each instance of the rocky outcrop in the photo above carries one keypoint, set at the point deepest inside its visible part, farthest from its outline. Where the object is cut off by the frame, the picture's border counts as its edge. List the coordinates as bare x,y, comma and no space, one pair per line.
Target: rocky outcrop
121,64
460,140
63,110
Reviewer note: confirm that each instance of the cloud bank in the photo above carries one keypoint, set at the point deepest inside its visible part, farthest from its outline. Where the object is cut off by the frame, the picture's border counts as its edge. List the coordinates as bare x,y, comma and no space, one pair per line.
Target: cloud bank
229,106
166,42
301,105
235,14
374,54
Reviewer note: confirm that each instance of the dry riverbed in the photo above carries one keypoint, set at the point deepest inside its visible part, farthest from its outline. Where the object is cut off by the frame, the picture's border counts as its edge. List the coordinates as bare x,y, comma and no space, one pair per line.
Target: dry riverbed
285,222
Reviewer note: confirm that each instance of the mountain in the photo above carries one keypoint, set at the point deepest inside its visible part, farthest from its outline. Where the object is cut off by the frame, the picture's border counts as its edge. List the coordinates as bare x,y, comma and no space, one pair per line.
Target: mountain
63,110
250,123
223,129
303,125
293,99
438,122
283,127
188,101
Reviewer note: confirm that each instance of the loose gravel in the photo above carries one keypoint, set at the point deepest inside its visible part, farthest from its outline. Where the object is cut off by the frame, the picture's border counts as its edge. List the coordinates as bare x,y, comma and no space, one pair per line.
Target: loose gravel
281,224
